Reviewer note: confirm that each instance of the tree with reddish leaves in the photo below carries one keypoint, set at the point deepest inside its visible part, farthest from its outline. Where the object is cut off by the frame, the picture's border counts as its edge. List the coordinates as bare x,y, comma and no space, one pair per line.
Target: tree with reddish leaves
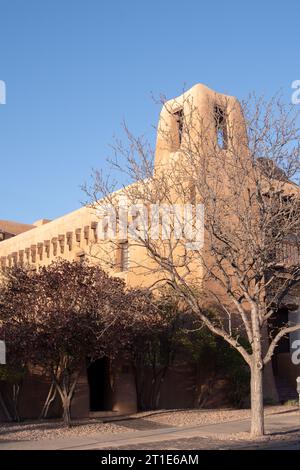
75,311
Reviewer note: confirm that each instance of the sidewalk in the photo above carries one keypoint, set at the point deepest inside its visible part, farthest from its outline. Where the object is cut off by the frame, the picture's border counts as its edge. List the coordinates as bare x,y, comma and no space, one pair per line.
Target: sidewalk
281,423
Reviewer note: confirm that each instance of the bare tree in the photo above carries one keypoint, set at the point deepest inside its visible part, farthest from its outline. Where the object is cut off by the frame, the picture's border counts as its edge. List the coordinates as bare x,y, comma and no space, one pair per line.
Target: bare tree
242,163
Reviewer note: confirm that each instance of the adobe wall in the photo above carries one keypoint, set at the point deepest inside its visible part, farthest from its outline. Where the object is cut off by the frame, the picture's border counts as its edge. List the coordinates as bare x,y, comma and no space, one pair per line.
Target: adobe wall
35,388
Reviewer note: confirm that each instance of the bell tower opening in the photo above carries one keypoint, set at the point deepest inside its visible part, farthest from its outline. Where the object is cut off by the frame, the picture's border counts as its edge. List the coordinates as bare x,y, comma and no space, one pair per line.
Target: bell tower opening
221,127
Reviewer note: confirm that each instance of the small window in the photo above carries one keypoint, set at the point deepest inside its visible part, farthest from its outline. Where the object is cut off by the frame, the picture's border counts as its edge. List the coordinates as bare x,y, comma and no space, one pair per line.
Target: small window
124,261
179,120
221,127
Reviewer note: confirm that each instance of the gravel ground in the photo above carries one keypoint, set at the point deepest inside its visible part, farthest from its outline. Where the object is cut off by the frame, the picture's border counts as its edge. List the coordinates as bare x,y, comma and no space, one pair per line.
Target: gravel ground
198,417
53,429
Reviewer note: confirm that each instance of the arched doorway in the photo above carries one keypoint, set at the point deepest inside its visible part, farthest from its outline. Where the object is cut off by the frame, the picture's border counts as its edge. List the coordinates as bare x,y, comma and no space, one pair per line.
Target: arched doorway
100,389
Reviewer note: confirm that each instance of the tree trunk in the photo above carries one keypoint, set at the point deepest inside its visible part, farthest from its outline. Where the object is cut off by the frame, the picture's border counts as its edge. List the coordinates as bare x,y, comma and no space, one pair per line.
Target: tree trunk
15,399
65,385
66,403
159,386
49,400
139,384
65,398
257,405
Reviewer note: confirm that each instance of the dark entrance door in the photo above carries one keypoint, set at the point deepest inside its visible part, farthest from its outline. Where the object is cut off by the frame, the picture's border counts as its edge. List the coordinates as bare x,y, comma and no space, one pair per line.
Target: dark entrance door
99,383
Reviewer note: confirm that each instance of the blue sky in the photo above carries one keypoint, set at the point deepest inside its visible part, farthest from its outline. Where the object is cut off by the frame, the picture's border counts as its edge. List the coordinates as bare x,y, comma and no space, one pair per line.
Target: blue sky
74,69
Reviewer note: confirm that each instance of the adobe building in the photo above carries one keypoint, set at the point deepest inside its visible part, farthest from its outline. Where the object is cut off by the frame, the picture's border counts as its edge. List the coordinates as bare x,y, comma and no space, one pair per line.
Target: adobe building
74,237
